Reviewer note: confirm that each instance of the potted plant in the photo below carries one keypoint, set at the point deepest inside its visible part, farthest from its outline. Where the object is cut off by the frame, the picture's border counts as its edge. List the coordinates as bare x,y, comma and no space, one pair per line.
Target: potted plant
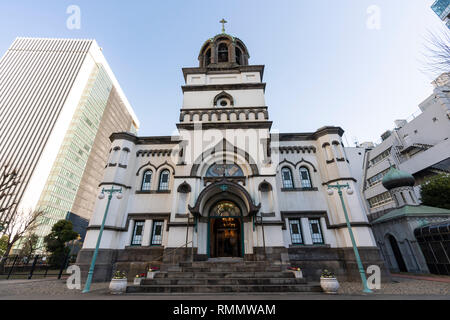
328,282
151,271
118,284
296,271
138,278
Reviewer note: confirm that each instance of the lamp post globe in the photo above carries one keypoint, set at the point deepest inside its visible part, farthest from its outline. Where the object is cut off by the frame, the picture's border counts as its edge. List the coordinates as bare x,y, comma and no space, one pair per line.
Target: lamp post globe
349,191
119,196
330,192
101,196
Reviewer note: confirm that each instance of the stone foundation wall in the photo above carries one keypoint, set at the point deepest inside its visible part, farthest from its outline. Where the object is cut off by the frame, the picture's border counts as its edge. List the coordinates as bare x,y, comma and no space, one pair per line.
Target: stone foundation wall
341,261
103,266
311,259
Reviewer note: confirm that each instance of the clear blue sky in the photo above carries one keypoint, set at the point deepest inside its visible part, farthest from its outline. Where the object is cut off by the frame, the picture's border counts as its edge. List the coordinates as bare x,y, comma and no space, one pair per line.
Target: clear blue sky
323,65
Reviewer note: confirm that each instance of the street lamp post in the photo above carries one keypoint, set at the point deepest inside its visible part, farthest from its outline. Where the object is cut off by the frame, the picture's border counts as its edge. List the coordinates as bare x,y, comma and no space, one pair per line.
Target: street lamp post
110,192
339,188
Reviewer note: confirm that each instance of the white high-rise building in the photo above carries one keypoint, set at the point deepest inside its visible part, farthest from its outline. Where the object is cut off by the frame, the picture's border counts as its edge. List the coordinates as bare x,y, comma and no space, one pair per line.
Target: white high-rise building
59,103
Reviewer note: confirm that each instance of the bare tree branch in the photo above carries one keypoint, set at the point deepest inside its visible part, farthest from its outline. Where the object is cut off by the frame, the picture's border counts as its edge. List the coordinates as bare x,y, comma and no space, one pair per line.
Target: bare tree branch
21,224
437,52
9,179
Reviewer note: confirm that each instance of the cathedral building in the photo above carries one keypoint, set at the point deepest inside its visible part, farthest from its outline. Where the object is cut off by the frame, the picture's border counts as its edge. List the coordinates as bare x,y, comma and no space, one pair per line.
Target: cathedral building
227,187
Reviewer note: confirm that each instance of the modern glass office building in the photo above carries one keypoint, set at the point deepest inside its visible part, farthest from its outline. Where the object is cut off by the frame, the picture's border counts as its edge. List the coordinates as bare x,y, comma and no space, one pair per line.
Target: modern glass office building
442,9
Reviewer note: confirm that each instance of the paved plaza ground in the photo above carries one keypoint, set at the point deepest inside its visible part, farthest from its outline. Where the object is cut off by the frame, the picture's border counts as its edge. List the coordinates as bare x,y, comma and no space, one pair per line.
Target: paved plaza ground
402,287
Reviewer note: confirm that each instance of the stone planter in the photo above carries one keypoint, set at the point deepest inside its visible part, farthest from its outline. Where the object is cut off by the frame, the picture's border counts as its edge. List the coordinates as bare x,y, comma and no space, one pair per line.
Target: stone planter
137,281
151,274
329,285
297,274
118,286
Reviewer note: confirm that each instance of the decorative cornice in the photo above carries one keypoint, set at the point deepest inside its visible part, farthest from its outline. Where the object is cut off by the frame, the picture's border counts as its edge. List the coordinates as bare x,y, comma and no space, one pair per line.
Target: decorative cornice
135,216
220,87
220,108
298,189
152,192
144,140
149,215
156,152
353,224
227,125
294,149
302,136
269,223
187,177
237,69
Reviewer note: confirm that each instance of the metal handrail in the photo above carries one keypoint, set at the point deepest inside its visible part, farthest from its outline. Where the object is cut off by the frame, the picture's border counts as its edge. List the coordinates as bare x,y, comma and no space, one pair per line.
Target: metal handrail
171,251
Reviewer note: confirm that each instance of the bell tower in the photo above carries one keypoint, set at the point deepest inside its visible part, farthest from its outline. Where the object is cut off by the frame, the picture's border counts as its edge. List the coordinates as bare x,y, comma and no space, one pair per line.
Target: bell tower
224,96
224,88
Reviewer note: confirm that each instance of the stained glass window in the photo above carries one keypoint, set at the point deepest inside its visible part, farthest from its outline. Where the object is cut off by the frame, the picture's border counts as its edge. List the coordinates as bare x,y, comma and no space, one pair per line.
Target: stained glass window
227,170
164,180
137,233
146,180
225,209
157,233
305,178
296,231
286,175
316,232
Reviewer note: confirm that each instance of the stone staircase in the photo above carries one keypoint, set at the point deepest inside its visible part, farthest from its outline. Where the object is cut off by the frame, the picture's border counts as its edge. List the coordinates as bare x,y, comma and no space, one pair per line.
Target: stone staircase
217,276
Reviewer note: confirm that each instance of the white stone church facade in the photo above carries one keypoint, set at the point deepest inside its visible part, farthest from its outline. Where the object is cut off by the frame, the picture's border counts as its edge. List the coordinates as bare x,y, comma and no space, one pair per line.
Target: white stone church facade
228,186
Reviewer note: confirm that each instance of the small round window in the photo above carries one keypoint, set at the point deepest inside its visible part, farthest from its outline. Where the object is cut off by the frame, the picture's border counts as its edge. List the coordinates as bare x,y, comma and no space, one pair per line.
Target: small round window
224,102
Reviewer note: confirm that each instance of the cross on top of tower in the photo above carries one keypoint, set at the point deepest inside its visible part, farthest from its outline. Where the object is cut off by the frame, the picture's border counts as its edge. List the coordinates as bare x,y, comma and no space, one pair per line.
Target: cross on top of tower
223,21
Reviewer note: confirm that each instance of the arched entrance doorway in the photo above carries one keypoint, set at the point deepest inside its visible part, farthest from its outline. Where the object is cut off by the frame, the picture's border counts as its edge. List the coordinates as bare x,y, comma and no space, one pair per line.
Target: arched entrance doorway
397,254
225,230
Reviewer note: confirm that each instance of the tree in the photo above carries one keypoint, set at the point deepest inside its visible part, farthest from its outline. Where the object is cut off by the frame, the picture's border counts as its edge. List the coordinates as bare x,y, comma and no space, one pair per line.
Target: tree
9,179
55,241
20,224
437,52
435,192
29,245
3,244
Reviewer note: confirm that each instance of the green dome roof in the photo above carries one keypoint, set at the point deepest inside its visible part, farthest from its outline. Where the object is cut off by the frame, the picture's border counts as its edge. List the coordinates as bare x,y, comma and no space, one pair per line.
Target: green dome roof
396,178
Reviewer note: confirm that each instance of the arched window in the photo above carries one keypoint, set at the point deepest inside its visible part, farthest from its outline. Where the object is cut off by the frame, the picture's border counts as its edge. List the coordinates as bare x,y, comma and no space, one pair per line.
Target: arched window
208,58
305,178
225,209
238,56
286,175
164,180
146,180
223,53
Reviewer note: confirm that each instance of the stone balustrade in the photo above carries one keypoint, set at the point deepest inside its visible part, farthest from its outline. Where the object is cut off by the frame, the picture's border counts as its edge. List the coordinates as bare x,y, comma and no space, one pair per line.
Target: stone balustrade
224,114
